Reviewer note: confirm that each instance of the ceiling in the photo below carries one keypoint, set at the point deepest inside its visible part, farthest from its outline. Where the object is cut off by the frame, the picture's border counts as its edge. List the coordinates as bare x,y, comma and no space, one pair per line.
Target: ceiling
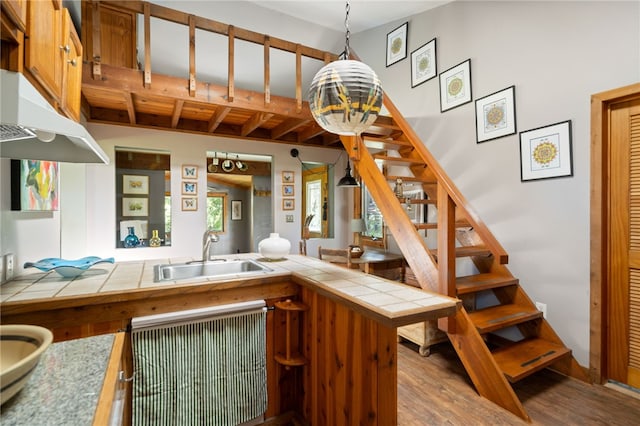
363,15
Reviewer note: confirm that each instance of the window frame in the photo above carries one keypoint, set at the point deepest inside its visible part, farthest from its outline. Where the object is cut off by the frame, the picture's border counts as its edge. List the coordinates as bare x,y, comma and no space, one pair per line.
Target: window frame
225,209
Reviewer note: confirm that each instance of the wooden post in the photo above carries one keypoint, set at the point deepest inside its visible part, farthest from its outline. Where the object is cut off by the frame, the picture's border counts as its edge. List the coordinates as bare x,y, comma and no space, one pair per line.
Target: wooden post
192,56
230,77
446,253
267,70
96,55
147,45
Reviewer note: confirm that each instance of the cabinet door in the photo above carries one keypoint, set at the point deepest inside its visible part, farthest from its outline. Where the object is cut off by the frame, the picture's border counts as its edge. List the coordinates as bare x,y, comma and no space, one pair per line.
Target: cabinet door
44,50
72,69
17,12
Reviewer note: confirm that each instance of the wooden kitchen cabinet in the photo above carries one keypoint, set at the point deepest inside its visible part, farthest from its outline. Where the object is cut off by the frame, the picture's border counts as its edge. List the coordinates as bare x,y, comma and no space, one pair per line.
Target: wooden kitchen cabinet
44,51
16,10
72,69
53,54
115,397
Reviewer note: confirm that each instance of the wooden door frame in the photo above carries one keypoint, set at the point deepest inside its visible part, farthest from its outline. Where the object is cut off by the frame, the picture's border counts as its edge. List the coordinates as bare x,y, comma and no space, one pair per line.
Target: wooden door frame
601,104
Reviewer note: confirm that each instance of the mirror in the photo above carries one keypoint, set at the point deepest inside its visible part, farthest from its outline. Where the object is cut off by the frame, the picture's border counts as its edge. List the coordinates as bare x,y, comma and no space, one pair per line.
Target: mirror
143,198
239,202
316,197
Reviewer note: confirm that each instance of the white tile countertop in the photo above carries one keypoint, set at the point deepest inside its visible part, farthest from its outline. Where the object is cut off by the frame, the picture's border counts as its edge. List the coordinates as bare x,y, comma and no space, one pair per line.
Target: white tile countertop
385,299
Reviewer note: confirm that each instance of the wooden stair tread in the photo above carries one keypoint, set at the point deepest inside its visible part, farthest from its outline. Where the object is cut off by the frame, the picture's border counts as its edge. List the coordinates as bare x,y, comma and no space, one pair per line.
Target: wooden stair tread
523,358
501,316
434,225
480,282
384,143
467,251
398,161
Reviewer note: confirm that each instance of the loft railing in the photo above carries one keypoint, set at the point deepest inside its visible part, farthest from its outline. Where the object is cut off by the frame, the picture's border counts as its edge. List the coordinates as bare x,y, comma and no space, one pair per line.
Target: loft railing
149,10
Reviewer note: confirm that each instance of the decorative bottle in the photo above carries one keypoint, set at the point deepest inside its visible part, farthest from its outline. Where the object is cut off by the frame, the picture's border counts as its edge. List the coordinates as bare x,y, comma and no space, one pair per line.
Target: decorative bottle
155,240
274,247
131,240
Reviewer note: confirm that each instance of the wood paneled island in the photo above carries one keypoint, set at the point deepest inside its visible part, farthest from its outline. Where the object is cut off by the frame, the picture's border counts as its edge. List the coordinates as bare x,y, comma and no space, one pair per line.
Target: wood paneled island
346,334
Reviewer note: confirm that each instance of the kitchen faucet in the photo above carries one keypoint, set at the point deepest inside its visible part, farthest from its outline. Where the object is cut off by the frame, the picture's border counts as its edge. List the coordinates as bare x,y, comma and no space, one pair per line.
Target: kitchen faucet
208,238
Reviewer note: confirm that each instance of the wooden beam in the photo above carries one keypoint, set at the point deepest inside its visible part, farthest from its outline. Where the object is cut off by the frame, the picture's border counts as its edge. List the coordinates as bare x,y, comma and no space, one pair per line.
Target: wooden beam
254,122
299,78
287,126
267,70
147,45
192,55
177,111
131,109
217,117
230,76
311,132
123,80
96,55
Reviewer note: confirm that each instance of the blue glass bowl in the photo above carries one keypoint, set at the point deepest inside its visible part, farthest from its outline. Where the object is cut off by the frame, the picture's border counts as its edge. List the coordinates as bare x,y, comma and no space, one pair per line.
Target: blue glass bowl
67,268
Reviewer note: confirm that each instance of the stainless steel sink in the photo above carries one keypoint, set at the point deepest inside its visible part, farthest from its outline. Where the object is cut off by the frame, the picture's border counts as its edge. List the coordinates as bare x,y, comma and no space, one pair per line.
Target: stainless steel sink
210,269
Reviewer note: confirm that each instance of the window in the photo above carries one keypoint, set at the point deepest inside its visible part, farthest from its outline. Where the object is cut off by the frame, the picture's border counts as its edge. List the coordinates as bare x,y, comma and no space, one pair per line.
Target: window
216,211
373,221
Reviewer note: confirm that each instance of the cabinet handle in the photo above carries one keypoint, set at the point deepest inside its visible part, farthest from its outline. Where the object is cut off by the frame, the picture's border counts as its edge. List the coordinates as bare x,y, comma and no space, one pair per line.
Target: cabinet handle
66,48
73,62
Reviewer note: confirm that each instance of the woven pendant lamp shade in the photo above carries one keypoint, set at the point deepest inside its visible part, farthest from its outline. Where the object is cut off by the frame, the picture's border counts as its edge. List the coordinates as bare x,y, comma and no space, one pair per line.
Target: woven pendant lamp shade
345,97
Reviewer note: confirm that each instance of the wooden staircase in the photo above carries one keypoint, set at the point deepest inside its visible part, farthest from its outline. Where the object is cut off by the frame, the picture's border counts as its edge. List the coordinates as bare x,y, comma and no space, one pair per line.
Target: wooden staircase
499,334
498,342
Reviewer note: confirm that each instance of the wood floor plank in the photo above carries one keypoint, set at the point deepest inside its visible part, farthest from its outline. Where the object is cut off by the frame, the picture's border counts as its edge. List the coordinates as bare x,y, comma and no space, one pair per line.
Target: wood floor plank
436,390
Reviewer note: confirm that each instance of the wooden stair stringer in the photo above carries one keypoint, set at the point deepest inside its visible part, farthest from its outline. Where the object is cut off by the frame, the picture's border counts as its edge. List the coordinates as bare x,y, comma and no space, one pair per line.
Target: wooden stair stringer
486,375
409,241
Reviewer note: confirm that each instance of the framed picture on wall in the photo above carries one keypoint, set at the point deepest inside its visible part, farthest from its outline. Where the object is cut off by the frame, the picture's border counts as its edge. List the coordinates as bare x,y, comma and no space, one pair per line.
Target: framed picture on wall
288,204
496,115
189,204
236,210
288,190
288,177
189,188
455,86
135,184
397,44
135,206
35,185
423,63
189,171
545,152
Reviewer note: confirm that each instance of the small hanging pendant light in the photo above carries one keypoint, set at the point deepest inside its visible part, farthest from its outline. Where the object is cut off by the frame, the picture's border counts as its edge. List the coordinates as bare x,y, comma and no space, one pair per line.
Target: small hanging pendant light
347,179
345,96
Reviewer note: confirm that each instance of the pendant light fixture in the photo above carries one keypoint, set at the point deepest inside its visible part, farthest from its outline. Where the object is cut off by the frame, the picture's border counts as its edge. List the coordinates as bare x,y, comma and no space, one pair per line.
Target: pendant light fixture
348,180
345,95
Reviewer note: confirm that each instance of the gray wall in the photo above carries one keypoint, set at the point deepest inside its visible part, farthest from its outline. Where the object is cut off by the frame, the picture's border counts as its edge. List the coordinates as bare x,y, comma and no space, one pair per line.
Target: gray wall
556,54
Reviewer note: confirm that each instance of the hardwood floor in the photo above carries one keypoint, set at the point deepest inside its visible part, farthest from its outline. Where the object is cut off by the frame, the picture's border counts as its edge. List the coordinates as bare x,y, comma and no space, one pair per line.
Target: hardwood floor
437,391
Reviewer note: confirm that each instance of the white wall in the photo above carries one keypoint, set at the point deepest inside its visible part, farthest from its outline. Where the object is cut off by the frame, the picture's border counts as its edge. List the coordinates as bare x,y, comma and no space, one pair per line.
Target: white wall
556,54
187,227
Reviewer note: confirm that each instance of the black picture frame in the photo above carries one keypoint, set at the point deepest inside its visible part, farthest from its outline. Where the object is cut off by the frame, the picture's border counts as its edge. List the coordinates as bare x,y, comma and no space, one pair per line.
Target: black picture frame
496,115
546,152
424,63
397,44
455,86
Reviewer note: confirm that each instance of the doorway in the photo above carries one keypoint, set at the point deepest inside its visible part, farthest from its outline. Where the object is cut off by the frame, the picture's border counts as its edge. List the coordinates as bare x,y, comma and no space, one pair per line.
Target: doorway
615,236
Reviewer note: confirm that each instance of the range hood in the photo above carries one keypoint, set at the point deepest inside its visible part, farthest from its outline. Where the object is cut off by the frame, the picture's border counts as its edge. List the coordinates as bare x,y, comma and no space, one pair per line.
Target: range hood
27,120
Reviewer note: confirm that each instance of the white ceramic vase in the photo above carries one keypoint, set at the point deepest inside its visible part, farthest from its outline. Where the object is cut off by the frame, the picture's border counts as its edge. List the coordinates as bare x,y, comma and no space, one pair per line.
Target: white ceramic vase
274,247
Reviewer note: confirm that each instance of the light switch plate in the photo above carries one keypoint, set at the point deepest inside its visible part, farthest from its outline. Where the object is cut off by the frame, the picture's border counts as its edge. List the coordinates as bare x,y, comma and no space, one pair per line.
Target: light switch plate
8,266
2,275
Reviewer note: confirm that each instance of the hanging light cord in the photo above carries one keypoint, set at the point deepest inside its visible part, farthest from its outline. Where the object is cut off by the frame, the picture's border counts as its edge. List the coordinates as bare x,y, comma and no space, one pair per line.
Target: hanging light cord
347,53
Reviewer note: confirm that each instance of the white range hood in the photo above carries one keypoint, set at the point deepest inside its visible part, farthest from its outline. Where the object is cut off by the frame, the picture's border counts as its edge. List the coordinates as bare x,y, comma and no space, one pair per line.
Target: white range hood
27,120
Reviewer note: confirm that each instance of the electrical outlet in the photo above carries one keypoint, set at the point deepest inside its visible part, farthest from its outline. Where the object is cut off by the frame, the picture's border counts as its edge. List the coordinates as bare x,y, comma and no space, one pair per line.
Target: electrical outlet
542,307
8,266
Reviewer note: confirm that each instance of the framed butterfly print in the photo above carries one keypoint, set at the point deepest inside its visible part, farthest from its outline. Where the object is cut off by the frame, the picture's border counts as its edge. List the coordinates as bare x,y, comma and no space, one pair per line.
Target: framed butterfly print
189,188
